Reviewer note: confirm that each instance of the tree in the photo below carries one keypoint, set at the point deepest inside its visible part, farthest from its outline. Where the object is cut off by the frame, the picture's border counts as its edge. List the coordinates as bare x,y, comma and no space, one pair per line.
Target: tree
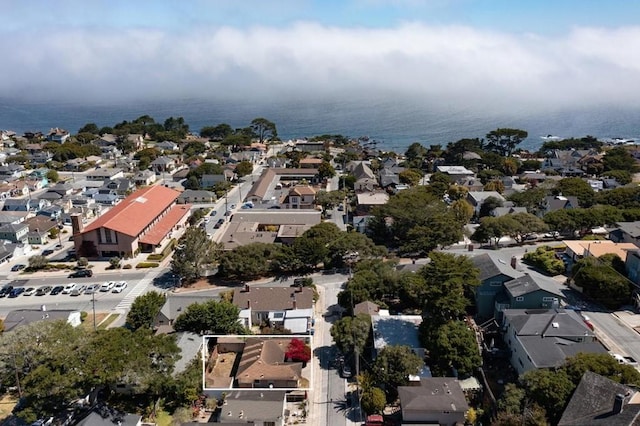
462,211
573,186
602,283
37,262
544,258
623,177
217,133
448,278
373,401
194,252
619,158
415,154
82,262
326,170
52,176
504,141
394,365
451,345
89,128
488,205
531,198
351,333
298,351
244,168
410,176
210,317
329,200
550,389
264,129
114,262
144,310
495,185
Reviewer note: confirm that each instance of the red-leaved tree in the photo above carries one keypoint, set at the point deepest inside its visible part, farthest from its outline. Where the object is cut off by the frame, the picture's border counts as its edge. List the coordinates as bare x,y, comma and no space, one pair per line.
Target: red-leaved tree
298,351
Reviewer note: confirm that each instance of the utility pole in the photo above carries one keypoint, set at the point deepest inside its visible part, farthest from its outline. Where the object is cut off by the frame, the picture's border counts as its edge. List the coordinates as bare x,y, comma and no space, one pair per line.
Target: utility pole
15,367
93,301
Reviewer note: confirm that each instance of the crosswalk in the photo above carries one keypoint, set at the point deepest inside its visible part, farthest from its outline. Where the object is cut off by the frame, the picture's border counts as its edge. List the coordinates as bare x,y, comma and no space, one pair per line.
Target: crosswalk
136,291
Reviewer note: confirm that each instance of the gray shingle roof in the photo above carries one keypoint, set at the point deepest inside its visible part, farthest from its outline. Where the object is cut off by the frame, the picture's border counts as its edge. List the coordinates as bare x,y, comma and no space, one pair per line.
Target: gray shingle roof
592,403
490,268
437,394
527,284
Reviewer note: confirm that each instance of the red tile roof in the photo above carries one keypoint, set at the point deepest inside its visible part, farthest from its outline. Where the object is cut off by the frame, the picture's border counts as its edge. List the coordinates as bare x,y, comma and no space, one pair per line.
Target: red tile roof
133,214
160,230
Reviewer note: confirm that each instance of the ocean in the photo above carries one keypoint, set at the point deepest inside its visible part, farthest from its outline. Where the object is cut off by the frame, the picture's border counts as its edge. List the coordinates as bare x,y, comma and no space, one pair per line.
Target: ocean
393,123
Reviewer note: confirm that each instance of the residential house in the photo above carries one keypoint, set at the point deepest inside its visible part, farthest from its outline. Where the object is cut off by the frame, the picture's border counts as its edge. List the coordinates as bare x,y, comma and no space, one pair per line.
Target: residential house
626,232
101,175
106,140
22,317
546,338
437,401
16,233
254,408
190,345
53,212
10,250
306,146
41,157
193,196
310,163
63,189
23,205
36,184
477,198
366,201
367,308
458,174
103,415
174,305
493,275
300,197
39,228
263,365
168,146
599,401
58,135
275,306
144,221
388,179
5,191
559,202
120,186
12,217
164,164
268,226
577,249
526,292
209,181
503,211
106,197
396,330
11,172
144,178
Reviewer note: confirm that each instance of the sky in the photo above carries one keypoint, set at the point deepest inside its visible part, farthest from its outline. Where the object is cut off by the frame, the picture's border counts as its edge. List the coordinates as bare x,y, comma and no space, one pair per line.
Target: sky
487,53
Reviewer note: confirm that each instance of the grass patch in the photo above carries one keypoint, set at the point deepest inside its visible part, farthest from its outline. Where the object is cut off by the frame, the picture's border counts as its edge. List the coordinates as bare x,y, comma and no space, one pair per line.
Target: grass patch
163,418
144,265
87,324
6,406
108,321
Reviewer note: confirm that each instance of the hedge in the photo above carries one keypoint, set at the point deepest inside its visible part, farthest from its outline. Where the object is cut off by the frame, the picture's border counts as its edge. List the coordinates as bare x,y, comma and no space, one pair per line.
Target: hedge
143,265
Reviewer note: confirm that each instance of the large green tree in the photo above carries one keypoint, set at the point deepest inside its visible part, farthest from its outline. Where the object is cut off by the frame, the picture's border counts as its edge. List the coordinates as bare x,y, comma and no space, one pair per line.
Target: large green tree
193,254
504,141
451,345
144,310
264,129
210,317
351,333
393,366
602,283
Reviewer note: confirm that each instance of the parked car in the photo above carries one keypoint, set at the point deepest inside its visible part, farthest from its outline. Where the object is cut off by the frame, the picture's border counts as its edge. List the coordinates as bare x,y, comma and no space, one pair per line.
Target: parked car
69,288
218,224
47,252
6,290
119,287
107,286
346,372
17,291
78,290
56,290
18,267
213,213
41,291
81,273
91,288
29,291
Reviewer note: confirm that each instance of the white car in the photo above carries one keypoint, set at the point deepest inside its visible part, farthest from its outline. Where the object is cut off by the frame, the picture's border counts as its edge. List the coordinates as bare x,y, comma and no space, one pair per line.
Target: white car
107,286
119,287
69,288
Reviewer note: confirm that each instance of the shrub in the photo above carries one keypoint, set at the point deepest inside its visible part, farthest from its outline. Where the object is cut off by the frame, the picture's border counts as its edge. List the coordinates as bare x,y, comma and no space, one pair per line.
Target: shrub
127,266
143,265
544,258
83,316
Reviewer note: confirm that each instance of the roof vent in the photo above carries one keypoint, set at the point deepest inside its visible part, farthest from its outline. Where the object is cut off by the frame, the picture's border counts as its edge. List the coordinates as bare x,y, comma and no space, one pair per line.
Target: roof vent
555,325
140,200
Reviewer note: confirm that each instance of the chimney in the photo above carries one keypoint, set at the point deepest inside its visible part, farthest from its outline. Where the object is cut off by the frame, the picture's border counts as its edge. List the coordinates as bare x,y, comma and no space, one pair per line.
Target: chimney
514,262
246,288
76,224
248,304
618,402
299,288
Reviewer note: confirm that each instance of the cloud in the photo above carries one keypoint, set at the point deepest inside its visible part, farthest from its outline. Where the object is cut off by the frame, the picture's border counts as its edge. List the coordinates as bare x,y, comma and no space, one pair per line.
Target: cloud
452,65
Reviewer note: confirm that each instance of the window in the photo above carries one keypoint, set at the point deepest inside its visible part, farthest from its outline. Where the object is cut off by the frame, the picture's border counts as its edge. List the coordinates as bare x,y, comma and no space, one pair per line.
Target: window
519,299
548,299
495,283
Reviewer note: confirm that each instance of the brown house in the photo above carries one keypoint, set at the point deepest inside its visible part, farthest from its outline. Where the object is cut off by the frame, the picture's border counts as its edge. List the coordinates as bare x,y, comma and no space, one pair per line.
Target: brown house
300,197
144,221
263,365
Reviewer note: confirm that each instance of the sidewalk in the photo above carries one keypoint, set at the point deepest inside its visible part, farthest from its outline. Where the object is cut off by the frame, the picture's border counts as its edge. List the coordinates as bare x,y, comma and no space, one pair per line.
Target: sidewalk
630,319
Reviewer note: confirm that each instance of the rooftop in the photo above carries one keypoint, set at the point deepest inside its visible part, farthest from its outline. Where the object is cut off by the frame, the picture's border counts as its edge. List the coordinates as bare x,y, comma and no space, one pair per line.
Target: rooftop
265,299
161,229
437,394
598,248
395,330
